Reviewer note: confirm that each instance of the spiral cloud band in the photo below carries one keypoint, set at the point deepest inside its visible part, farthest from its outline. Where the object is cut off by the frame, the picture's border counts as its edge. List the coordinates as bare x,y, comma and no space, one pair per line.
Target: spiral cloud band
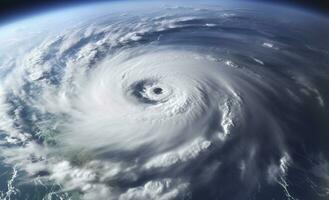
173,102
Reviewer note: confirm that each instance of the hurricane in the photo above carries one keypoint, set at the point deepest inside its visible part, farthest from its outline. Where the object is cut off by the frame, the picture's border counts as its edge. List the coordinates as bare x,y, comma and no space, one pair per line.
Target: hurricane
166,101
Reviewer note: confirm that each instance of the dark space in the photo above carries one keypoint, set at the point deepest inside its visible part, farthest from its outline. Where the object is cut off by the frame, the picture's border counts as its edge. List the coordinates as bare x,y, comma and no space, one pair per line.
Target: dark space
316,5
11,9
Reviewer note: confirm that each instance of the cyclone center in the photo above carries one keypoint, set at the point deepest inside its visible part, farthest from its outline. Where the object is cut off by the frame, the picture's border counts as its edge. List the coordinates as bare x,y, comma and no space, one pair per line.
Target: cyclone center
157,90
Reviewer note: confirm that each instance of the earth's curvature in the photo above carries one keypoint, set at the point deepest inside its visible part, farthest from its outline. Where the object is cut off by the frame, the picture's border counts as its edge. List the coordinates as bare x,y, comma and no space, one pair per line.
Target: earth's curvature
141,101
